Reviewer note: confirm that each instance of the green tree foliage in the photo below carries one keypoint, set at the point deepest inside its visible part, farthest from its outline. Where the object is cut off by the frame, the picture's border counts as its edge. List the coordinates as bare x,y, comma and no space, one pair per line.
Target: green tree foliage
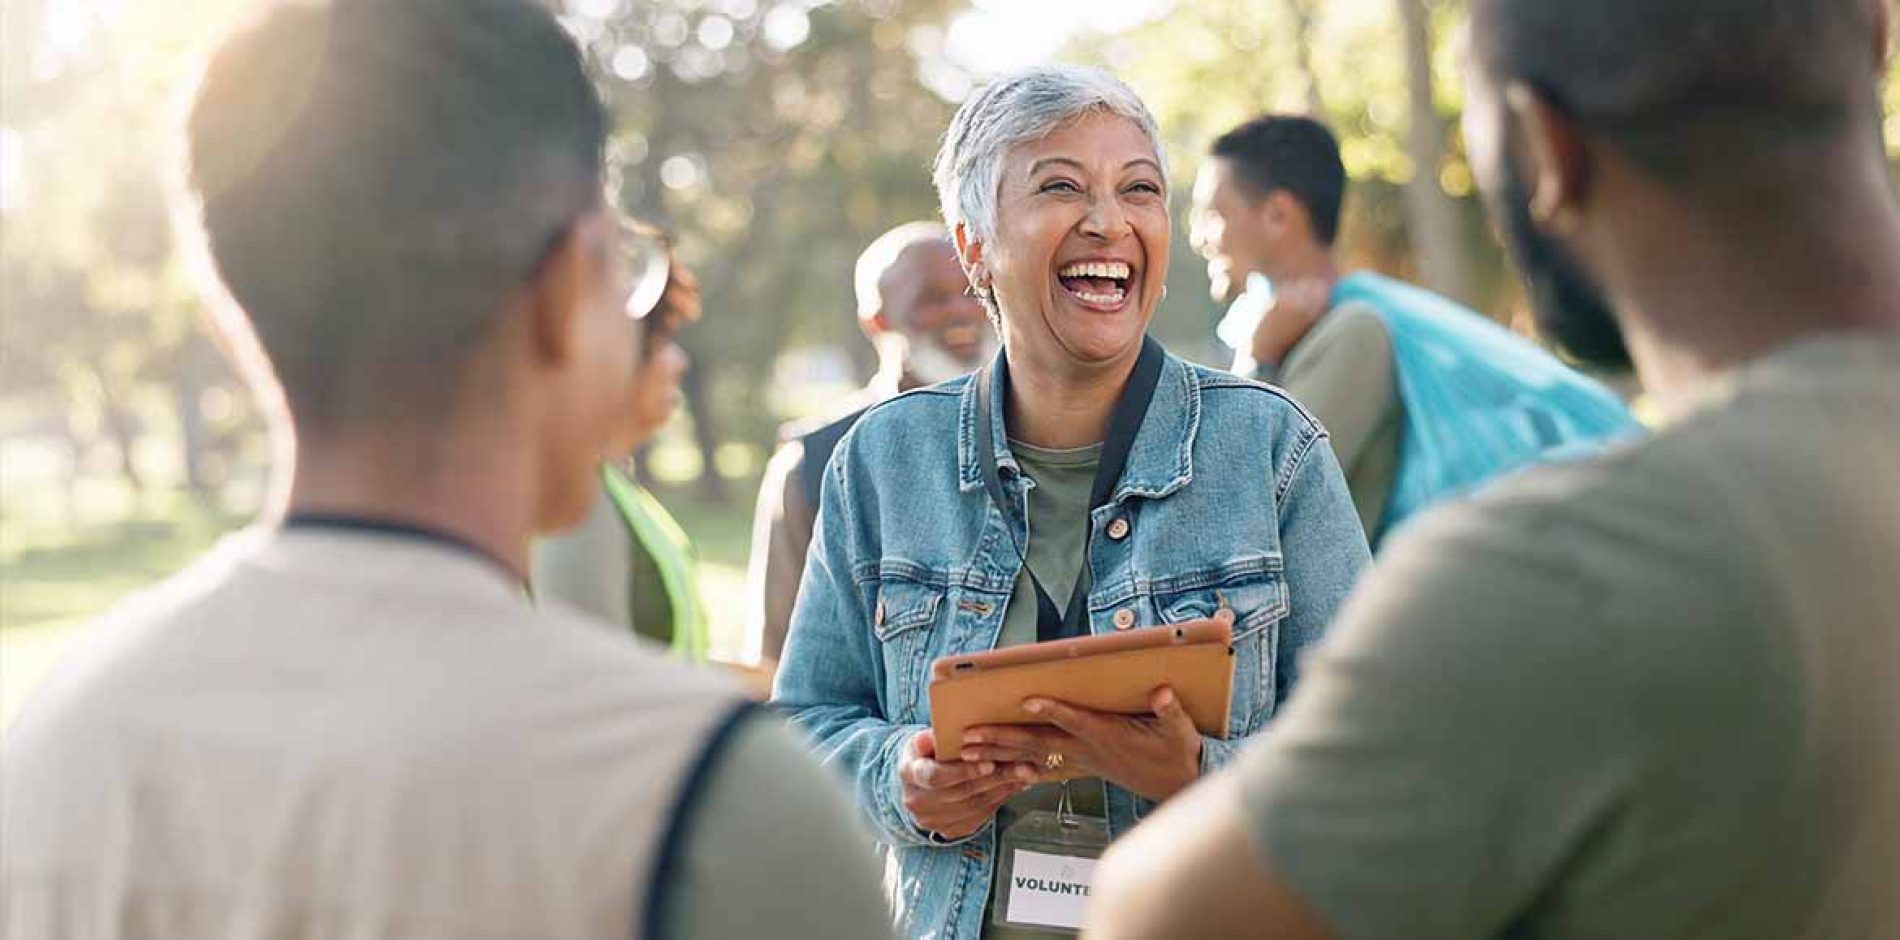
775,140
98,316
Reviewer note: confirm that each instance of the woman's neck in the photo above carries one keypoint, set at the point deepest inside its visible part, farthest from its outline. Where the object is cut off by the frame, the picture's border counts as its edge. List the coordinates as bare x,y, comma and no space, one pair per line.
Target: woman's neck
1062,409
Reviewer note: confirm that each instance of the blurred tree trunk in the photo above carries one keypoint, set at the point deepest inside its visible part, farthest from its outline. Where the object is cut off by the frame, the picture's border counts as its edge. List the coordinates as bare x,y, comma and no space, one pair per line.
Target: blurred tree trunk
712,485
1436,231
190,380
1301,13
122,427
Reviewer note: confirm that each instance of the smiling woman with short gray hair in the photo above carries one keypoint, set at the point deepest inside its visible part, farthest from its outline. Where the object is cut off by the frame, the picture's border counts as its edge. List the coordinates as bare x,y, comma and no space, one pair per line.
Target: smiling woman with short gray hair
1086,482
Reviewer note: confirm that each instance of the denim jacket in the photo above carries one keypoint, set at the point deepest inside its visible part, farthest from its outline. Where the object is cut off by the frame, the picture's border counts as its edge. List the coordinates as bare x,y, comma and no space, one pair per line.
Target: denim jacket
1232,497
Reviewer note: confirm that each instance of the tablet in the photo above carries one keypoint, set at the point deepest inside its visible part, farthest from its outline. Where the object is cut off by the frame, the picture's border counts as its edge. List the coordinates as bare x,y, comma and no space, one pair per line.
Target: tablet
1116,672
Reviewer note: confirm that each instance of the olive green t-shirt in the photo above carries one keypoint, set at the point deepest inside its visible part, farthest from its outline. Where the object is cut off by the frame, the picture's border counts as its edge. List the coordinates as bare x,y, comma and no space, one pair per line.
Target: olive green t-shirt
1058,538
1343,372
1651,694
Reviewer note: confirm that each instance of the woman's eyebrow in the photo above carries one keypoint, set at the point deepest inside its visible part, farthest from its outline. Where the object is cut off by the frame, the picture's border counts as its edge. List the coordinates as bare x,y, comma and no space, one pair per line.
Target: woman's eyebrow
1039,165
1144,161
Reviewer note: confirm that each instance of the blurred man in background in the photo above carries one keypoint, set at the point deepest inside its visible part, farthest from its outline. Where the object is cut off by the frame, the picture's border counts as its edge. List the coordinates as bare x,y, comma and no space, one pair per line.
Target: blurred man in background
349,721
914,305
1655,693
1425,400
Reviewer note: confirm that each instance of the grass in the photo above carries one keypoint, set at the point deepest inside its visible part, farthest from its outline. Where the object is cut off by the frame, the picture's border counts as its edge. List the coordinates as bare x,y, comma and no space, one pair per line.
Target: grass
57,572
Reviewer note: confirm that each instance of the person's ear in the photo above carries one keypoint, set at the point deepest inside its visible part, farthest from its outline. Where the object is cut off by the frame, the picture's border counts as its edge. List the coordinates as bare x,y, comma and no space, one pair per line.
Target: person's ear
1552,154
1284,213
557,298
970,253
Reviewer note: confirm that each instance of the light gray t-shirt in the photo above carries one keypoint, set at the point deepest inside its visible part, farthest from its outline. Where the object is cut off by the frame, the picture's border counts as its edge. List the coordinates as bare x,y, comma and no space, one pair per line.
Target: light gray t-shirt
1654,694
327,732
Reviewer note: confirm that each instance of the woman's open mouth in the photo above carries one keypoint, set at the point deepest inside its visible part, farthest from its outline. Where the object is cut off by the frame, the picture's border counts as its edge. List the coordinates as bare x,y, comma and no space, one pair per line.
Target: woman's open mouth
1097,285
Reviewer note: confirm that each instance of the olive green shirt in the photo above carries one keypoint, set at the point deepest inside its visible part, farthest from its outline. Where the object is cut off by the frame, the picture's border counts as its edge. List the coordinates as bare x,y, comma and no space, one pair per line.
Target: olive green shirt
1342,371
1651,694
1058,539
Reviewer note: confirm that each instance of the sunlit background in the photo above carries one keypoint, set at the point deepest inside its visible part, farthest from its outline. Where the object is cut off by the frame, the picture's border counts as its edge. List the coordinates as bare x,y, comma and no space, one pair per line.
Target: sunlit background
773,137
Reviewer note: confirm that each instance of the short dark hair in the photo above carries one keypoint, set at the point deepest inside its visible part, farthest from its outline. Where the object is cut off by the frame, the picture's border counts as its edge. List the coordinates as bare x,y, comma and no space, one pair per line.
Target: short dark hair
378,177
1293,153
1681,83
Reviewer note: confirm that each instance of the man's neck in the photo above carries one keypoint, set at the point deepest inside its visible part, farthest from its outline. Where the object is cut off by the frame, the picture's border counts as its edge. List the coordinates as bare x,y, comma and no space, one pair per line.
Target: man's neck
1733,290
1066,408
1315,262
461,487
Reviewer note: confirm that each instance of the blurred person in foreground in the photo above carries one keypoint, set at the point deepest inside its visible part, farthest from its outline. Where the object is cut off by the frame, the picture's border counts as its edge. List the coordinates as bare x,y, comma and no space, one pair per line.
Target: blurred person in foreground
1655,693
916,307
1424,399
1085,482
629,562
349,720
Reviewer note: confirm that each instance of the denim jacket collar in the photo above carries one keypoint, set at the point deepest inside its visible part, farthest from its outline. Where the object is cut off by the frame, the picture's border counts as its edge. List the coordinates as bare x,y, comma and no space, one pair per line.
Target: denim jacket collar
1161,462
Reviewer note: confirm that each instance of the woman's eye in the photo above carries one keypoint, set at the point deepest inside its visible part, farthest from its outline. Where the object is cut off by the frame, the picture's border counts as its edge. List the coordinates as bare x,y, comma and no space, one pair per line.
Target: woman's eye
1147,188
1060,186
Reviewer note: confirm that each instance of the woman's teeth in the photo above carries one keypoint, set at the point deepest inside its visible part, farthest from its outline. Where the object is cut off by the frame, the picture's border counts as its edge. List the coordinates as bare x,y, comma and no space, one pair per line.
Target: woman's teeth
1110,269
1102,284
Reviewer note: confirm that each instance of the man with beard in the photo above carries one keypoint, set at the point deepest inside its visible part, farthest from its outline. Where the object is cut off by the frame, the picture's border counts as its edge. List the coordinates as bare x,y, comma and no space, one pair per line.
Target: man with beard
1654,693
1424,400
914,306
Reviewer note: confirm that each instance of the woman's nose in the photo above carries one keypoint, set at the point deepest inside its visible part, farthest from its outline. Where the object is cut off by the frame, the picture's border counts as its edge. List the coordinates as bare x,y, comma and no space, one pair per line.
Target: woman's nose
1106,219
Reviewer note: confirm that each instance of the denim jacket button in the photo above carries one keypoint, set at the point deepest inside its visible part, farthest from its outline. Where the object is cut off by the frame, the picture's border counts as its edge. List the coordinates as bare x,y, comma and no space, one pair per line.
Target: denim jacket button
1118,529
1124,619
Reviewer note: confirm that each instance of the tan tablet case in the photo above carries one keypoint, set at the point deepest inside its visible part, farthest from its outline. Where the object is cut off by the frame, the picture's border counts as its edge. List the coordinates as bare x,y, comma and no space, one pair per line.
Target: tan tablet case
1112,673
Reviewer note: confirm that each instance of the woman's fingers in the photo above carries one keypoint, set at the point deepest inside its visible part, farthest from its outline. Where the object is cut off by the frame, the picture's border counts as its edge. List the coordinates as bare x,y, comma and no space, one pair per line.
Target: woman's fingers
976,790
958,819
1171,713
927,774
1000,754
1080,722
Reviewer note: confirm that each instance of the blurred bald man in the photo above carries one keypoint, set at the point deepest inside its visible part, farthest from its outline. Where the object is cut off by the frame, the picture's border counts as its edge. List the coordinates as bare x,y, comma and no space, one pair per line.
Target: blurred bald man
914,306
1655,693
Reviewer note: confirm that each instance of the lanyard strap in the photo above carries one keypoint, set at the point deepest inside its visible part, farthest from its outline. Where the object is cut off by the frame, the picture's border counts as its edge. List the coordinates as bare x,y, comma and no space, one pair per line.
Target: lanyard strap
1052,622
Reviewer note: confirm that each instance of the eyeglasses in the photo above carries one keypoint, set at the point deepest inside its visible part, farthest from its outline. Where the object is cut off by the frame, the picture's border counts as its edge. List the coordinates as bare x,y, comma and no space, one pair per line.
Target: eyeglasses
648,260
642,258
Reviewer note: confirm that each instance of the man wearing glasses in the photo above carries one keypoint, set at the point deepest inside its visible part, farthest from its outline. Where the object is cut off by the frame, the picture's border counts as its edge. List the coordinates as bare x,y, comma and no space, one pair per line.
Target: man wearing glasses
350,720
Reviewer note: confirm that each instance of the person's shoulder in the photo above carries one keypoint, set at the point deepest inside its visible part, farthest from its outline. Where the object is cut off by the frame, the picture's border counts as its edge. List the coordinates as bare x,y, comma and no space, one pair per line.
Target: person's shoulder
918,410
1350,336
577,642
125,647
1634,524
1227,395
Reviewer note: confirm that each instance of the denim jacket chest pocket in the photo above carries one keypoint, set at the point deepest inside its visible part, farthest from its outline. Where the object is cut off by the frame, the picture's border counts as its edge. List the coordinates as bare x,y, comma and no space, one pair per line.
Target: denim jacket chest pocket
1255,590
904,622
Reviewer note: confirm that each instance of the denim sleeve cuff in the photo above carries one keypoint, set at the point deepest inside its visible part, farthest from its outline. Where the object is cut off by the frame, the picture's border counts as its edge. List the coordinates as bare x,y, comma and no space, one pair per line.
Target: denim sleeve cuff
1216,753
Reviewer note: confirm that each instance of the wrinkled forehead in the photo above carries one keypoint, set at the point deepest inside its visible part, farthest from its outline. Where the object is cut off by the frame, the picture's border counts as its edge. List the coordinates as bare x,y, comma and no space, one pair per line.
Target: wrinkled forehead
1096,140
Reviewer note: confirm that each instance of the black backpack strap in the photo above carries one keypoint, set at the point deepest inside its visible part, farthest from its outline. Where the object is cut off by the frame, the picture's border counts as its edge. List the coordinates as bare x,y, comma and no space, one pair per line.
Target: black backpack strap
665,873
818,446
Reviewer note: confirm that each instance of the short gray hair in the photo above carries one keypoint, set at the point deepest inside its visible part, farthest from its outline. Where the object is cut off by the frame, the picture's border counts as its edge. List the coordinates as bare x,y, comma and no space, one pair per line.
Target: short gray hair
1021,106
883,253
